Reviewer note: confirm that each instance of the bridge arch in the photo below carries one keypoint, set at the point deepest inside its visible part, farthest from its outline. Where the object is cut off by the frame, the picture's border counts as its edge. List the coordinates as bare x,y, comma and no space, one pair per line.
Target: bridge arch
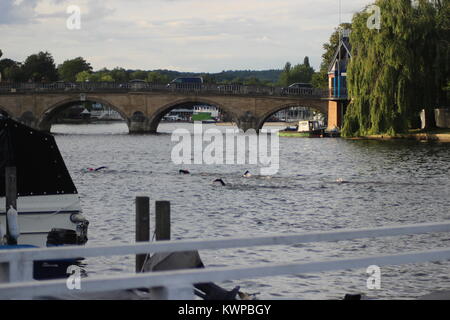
267,115
156,117
48,116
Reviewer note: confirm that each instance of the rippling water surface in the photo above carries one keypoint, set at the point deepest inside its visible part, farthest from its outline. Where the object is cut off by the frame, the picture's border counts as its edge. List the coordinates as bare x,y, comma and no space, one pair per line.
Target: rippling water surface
322,184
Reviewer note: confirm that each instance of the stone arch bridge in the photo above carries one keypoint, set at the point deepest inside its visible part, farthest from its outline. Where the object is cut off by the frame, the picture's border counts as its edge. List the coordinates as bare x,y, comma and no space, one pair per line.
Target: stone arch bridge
143,108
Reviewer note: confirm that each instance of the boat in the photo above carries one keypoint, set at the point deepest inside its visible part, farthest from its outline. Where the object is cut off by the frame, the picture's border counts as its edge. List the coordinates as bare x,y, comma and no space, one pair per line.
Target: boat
306,128
48,205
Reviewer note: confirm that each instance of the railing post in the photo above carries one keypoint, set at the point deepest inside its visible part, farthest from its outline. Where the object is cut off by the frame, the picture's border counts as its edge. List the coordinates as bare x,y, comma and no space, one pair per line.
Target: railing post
142,227
162,224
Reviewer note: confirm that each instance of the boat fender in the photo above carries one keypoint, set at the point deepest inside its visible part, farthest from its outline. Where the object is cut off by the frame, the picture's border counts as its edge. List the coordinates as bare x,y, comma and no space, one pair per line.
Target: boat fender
77,218
13,223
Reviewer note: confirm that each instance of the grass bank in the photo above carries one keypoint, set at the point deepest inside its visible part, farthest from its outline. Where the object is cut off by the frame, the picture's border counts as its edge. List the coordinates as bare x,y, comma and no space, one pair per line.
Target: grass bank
438,134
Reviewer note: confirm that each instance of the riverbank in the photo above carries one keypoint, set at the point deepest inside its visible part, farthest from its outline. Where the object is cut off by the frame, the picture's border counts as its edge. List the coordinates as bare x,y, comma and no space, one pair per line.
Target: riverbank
440,135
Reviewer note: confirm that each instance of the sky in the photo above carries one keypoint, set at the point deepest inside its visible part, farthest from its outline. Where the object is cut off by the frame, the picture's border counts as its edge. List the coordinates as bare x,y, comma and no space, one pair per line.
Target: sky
183,35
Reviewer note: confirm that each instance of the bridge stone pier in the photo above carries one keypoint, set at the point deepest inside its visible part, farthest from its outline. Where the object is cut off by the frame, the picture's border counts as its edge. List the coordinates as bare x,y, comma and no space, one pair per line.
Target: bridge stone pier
143,110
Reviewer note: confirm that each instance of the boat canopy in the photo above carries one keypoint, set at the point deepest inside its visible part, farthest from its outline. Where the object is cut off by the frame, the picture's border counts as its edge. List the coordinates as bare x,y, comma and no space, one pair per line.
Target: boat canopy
40,167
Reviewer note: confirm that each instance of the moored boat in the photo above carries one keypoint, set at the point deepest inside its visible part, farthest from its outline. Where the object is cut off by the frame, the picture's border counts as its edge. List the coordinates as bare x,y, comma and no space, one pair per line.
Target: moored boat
48,205
306,129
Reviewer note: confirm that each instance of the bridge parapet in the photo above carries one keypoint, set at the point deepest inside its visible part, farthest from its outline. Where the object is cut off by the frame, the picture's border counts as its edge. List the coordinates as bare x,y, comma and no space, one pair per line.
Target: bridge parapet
143,105
125,87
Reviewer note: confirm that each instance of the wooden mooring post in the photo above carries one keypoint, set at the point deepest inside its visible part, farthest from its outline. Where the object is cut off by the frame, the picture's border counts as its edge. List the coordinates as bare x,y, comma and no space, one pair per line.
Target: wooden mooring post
162,232
142,227
162,220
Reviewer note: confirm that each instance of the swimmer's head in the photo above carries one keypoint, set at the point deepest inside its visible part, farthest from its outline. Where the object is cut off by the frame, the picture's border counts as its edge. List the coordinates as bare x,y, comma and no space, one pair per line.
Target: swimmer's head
219,182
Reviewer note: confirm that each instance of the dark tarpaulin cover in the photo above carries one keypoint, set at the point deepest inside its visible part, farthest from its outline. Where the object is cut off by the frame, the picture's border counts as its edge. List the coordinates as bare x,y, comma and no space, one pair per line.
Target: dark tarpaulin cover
40,167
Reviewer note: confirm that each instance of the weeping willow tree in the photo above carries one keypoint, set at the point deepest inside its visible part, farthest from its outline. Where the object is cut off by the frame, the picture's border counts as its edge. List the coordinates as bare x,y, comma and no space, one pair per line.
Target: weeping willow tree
395,71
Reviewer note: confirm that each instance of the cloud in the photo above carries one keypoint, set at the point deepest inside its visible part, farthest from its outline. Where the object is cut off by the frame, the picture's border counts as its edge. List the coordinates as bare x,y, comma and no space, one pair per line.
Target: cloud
17,12
191,34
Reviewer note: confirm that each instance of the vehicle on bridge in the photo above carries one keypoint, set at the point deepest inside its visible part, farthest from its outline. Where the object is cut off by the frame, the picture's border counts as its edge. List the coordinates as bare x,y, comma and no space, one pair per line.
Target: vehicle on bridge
186,83
137,84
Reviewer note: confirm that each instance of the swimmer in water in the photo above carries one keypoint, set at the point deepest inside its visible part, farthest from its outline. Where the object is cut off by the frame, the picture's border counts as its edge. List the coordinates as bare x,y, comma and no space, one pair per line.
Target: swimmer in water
219,181
247,174
97,169
183,171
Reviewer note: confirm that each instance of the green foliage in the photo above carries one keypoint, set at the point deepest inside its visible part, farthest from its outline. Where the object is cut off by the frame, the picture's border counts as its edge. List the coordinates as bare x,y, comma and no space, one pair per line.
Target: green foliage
320,80
157,78
299,73
40,67
394,72
83,76
14,73
70,68
106,78
138,75
120,75
10,70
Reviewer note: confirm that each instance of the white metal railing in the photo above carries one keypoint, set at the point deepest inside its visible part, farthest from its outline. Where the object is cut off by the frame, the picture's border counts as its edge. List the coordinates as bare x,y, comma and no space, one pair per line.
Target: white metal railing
178,284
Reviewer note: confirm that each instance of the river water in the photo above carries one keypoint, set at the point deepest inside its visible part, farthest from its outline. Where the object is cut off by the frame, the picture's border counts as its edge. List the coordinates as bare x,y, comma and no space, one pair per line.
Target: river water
322,185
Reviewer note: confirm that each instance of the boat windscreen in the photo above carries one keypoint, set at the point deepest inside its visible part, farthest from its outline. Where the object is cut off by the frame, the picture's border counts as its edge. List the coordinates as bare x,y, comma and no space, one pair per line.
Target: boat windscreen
40,167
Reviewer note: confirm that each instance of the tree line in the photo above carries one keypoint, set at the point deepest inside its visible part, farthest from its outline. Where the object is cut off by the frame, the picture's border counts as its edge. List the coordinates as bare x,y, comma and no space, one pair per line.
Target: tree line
41,67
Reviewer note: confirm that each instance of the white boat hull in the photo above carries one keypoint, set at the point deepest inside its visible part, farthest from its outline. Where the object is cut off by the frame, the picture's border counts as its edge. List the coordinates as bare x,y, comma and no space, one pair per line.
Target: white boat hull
38,215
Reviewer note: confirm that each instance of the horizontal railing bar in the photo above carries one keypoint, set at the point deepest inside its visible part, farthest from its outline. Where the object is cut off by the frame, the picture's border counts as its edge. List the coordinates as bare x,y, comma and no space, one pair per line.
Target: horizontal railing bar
182,278
68,87
205,244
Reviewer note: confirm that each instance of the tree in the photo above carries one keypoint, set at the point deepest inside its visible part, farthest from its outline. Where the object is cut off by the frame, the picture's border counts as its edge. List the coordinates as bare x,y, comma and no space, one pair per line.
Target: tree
298,73
40,67
69,69
443,27
119,74
319,80
302,73
106,78
252,81
394,72
83,76
138,75
284,79
157,78
5,63
306,62
14,73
